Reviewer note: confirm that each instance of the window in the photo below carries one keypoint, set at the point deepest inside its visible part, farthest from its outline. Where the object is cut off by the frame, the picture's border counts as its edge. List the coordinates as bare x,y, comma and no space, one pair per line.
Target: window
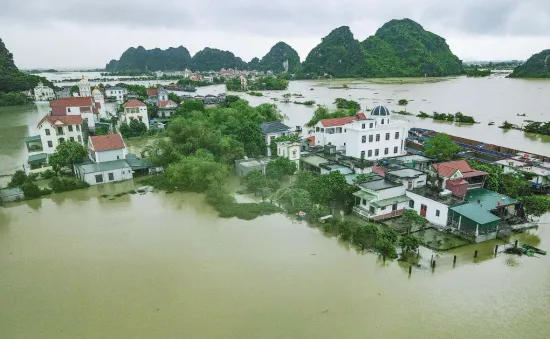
396,135
372,210
272,137
364,139
362,154
59,130
50,144
437,213
371,137
376,152
382,208
99,178
111,176
330,130
71,138
378,137
61,140
69,110
294,154
370,153
364,202
78,128
363,126
387,136
371,125
411,203
47,130
386,151
316,129
382,122
70,127
338,129
395,150
322,130
79,138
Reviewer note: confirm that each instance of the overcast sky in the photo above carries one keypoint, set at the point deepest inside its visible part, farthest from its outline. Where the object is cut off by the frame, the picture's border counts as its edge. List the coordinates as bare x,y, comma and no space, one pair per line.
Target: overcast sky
84,33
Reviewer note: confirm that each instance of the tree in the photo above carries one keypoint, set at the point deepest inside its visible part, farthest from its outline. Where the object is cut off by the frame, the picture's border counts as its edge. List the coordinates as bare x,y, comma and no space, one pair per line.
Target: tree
536,205
196,173
330,188
174,97
388,234
18,179
365,236
324,113
75,89
280,167
161,153
409,243
31,190
294,199
514,186
403,102
411,219
385,248
351,105
188,106
135,128
254,181
66,155
441,147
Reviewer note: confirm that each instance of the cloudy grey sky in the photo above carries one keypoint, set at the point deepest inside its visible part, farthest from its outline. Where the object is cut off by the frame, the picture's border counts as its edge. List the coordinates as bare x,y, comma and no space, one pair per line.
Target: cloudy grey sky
84,33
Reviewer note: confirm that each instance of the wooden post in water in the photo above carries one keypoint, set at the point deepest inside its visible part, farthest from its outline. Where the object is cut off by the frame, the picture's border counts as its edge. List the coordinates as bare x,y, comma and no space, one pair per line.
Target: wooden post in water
410,270
516,244
496,250
475,254
454,260
432,259
418,253
433,265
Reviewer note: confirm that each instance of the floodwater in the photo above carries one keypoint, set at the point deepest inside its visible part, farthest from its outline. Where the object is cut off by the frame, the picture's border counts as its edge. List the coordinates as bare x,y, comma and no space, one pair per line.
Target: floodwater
79,265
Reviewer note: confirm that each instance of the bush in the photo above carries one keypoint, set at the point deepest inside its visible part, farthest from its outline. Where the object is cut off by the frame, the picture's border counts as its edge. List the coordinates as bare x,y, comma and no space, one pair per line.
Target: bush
18,179
227,207
59,185
47,174
31,190
403,102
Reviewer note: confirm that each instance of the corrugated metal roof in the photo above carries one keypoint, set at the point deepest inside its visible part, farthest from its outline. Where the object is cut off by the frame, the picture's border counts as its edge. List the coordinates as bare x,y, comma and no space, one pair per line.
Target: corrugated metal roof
475,212
104,166
32,138
41,157
391,201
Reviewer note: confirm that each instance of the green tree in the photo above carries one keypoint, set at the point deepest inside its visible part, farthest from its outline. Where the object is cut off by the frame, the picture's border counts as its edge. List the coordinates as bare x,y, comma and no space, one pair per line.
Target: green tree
514,186
441,147
409,243
280,167
31,190
294,199
403,102
388,234
196,173
174,97
18,179
351,105
324,113
188,106
411,219
161,153
66,155
137,128
536,205
254,181
365,236
385,248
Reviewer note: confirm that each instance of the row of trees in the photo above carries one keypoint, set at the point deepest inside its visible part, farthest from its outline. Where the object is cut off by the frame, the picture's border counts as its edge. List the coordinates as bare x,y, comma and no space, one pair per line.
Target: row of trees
268,83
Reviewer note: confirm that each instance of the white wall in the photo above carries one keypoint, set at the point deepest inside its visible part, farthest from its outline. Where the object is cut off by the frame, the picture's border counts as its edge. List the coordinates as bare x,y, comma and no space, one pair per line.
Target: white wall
432,207
142,111
110,155
322,137
391,192
268,138
355,143
54,138
118,174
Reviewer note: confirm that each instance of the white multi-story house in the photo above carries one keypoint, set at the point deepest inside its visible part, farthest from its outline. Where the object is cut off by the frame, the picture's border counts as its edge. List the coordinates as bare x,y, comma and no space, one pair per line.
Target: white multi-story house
116,92
99,99
187,73
290,150
374,136
135,109
54,130
43,93
86,107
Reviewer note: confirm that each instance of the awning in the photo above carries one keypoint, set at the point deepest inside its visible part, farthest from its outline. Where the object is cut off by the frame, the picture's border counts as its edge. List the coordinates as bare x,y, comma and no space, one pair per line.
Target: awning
33,138
391,201
38,158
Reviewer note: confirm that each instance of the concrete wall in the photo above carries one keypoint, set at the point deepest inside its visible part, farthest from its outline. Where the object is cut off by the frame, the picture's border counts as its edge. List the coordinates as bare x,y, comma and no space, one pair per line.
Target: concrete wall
118,174
432,207
391,192
110,155
358,140
322,137
54,138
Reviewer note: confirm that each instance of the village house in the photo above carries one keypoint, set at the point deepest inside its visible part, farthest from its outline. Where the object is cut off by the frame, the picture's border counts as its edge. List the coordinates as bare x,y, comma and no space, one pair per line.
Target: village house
195,77
84,87
43,93
208,78
86,107
290,150
457,177
187,73
540,171
374,136
272,130
116,92
107,161
135,109
244,82
166,108
64,92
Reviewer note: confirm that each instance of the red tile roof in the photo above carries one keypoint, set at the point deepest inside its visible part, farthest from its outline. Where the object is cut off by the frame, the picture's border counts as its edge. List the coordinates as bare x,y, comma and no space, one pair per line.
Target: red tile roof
342,121
106,142
165,103
311,140
134,103
72,102
444,170
62,120
152,91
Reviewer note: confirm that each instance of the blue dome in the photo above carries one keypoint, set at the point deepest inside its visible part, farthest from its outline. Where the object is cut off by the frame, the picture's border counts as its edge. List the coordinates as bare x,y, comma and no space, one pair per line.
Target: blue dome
380,111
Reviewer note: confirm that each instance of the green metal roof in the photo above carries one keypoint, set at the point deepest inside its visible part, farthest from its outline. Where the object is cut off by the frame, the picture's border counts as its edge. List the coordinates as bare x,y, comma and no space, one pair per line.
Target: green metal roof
488,200
104,166
390,201
32,138
364,195
139,163
475,212
41,157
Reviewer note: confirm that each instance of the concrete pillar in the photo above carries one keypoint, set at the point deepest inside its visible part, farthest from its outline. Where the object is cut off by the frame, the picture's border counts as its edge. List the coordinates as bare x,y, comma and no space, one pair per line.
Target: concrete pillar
477,230
459,221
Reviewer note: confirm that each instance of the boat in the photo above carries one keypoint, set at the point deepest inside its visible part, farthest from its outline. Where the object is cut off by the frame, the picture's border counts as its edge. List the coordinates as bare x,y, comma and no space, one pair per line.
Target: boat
301,214
521,115
491,123
534,249
189,88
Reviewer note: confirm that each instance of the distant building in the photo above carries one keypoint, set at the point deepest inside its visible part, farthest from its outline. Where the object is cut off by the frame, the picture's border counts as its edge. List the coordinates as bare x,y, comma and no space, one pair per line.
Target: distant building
244,82
166,108
116,92
187,73
64,92
457,177
272,130
152,95
86,107
43,93
84,87
135,109
195,77
208,78
99,98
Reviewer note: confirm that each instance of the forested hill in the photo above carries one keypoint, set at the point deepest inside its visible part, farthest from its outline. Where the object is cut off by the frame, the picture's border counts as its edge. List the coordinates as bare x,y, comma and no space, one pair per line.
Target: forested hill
275,60
213,59
537,66
141,59
11,79
400,48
